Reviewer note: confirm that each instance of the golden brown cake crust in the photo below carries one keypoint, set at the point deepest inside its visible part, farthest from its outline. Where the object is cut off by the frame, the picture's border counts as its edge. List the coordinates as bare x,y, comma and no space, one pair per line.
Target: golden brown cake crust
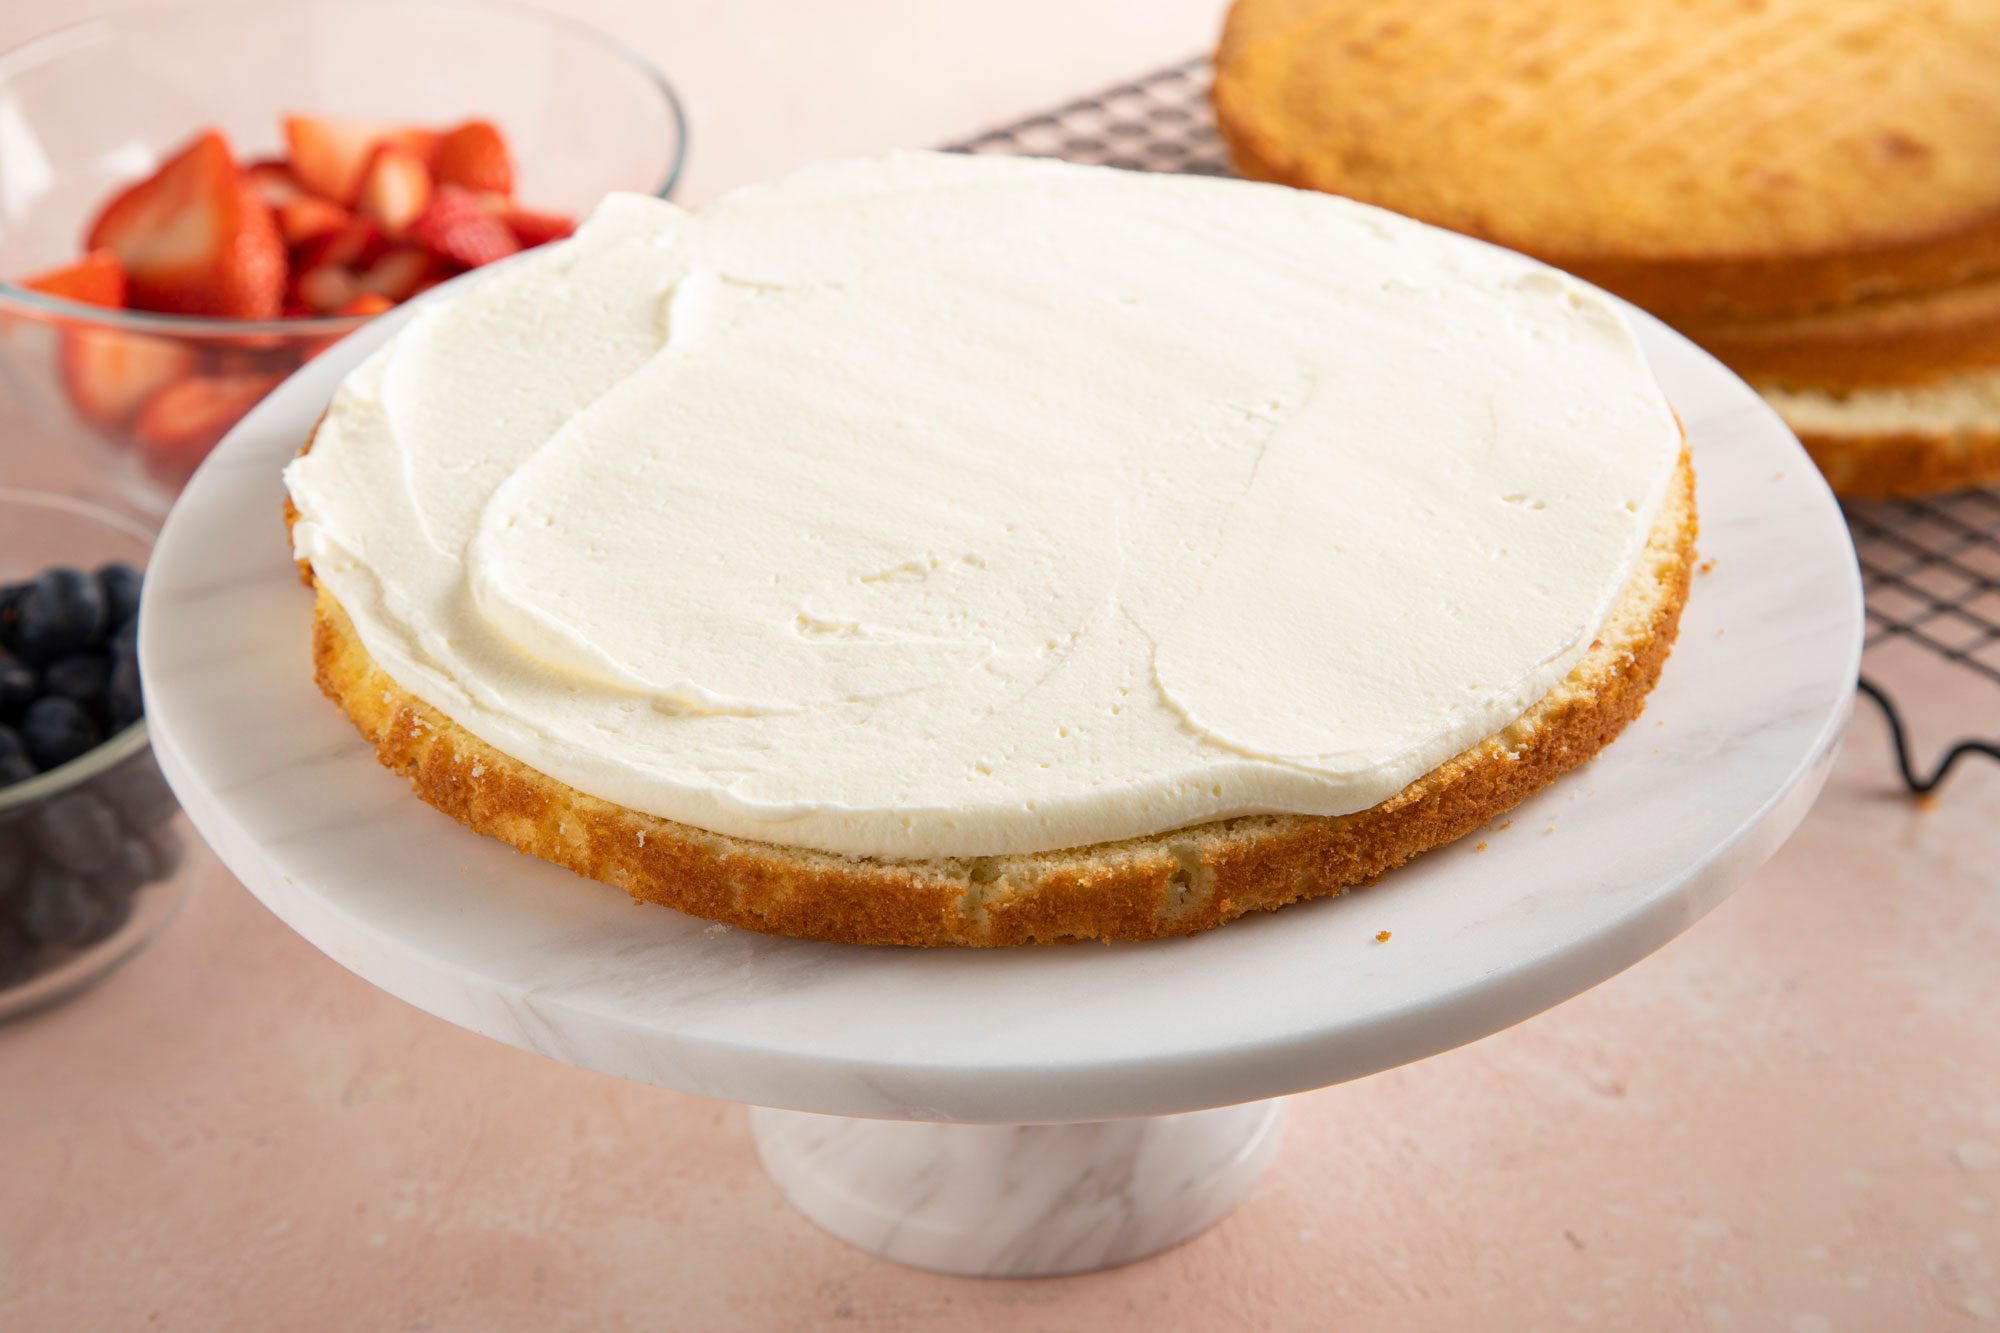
1906,464
1695,156
1870,344
1906,342
1176,883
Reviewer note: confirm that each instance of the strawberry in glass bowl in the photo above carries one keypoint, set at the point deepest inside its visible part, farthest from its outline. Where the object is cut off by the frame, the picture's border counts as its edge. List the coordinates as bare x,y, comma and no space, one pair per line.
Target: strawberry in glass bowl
195,201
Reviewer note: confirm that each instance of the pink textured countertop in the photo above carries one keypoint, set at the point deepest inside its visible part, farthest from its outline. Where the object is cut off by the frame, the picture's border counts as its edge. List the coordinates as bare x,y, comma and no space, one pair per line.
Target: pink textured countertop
1789,1119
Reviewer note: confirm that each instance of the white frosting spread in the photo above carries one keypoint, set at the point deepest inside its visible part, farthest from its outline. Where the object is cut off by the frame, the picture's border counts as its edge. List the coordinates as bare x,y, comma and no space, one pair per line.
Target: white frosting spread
946,506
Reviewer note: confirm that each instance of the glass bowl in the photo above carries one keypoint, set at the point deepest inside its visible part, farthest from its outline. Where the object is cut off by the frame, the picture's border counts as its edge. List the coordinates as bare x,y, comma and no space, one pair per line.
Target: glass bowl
89,109
95,856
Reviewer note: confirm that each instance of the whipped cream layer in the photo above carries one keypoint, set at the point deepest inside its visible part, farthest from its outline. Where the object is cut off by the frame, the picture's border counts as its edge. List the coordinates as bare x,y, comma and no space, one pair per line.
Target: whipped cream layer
947,506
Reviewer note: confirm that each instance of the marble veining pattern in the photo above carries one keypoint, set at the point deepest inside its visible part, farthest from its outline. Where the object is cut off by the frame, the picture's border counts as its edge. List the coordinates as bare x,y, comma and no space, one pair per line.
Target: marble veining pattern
1018,1200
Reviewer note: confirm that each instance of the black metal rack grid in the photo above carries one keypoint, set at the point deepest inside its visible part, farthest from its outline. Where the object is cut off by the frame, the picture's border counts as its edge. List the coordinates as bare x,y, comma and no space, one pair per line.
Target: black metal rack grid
1932,570
1157,123
1931,567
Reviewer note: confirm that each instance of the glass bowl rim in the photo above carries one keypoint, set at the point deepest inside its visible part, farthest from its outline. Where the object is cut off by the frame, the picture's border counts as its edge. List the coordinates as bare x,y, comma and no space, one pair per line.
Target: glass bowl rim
74,36
119,746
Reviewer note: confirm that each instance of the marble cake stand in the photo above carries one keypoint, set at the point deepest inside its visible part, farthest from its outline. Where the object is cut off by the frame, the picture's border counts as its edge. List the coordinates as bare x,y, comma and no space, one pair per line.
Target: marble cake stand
1066,1096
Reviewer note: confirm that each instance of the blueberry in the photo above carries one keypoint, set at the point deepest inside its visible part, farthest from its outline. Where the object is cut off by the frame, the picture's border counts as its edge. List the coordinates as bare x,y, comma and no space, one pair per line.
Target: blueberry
62,612
138,792
124,641
133,866
114,909
17,954
80,676
15,766
120,585
124,702
164,843
10,600
54,907
17,684
126,870
16,854
75,831
57,730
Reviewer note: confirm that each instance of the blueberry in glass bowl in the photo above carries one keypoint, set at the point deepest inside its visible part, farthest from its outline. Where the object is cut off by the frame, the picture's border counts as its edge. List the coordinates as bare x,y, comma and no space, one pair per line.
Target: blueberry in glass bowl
95,855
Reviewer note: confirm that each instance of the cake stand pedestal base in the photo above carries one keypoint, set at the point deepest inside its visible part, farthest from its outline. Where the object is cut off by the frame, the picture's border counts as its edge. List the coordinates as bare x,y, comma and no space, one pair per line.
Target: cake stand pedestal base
1018,1200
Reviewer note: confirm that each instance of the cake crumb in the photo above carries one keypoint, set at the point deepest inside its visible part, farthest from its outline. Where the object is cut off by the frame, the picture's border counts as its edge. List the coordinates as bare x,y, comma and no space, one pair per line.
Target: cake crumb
1924,800
1718,634
1777,476
1381,937
1706,566
716,928
1504,827
1480,846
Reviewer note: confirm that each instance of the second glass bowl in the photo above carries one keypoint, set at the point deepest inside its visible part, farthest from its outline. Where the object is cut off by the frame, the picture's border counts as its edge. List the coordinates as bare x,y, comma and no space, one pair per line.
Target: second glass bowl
95,856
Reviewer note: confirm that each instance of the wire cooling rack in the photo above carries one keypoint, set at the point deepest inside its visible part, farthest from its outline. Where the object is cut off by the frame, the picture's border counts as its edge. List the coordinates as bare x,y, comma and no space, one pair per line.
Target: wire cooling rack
1933,574
1931,567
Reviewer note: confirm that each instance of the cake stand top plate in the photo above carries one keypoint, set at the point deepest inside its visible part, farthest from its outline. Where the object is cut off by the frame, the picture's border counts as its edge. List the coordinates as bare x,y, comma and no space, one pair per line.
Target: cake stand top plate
1576,885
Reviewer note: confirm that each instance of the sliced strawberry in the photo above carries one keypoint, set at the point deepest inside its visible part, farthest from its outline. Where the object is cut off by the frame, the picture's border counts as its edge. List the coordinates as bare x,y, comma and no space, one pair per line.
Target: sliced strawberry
109,374
96,279
398,274
357,244
309,218
326,273
424,143
251,282
474,156
273,181
442,273
395,188
328,156
182,423
532,229
457,227
252,356
326,288
368,303
194,239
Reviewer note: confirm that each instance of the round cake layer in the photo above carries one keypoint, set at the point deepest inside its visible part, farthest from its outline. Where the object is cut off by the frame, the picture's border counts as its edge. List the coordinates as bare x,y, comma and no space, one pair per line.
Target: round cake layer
1902,439
1899,341
1899,396
1177,883
1694,156
940,507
